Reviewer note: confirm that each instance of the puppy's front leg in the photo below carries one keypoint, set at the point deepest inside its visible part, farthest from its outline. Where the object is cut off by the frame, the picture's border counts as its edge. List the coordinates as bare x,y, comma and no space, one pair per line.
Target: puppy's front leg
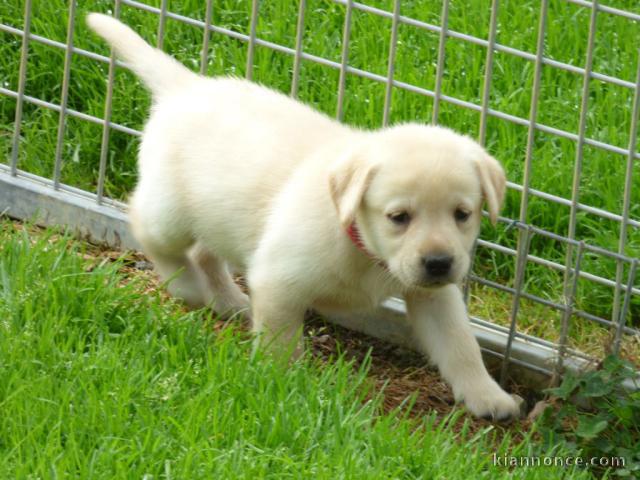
277,319
441,323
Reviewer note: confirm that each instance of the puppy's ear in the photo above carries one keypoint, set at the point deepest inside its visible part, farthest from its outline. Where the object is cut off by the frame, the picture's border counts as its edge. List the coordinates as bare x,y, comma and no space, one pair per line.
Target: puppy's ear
348,181
493,183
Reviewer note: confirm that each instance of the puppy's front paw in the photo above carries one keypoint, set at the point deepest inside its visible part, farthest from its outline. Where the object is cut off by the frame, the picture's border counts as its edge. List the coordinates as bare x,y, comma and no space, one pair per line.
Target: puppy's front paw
489,401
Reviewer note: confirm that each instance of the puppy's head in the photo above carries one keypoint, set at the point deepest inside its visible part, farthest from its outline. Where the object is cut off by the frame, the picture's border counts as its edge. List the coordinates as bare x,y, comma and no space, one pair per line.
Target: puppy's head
416,195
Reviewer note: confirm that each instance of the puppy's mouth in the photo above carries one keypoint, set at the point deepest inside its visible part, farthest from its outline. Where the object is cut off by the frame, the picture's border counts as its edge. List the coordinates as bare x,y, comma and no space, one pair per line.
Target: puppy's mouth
432,283
427,283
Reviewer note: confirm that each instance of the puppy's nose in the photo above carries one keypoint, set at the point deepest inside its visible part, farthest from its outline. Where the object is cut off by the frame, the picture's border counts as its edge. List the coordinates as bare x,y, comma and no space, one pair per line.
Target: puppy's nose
437,265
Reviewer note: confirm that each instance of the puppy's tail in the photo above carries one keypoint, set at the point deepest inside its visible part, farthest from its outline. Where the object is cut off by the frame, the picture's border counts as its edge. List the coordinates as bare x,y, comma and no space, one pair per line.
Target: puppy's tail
160,72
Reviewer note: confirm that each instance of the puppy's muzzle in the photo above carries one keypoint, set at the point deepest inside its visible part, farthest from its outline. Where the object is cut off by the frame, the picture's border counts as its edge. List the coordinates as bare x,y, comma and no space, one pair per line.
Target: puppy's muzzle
437,268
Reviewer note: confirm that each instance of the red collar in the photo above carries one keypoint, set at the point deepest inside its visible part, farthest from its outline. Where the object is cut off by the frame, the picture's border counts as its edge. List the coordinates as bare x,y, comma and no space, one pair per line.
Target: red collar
356,239
354,235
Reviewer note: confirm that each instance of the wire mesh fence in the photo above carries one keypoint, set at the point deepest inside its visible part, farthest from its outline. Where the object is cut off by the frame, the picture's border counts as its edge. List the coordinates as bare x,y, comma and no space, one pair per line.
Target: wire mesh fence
564,280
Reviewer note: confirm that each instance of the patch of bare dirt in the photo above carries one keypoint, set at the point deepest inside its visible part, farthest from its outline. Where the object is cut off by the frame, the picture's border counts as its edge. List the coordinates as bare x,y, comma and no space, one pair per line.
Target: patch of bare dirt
400,373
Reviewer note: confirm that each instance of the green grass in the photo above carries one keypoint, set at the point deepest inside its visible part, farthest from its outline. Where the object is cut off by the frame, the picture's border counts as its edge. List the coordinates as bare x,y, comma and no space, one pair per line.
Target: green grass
553,158
101,377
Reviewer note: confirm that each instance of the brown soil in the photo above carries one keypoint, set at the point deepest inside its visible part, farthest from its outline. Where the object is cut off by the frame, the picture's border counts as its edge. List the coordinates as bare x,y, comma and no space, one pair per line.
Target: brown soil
399,374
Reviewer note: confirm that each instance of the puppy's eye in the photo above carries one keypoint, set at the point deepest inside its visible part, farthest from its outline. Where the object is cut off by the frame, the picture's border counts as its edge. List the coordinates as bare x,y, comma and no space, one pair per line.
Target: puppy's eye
461,215
399,218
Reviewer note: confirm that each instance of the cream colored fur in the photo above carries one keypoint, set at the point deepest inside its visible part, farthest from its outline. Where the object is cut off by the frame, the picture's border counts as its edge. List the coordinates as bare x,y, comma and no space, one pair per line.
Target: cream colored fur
237,177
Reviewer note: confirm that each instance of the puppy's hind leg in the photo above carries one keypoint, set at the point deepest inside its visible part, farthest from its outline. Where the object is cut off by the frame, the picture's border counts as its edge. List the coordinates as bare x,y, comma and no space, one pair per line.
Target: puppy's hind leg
168,251
184,279
225,295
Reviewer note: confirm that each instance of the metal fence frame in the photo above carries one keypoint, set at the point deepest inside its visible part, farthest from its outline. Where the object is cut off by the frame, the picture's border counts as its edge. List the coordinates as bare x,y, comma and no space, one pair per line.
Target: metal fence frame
24,195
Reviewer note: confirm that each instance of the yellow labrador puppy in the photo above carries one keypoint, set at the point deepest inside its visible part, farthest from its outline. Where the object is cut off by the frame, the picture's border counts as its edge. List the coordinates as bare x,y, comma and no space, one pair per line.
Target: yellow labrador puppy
237,177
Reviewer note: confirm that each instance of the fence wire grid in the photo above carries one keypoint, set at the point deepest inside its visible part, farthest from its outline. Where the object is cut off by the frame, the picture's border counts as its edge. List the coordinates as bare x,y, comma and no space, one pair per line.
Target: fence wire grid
520,237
